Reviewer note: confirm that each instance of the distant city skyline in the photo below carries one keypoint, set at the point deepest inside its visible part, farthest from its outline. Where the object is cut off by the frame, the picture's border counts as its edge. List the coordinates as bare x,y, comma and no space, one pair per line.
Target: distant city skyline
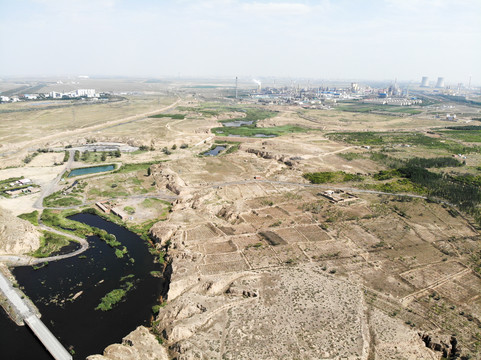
365,40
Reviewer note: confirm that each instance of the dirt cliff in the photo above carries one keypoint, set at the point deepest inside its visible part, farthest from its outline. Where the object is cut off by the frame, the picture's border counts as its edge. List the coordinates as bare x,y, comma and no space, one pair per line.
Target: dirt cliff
17,236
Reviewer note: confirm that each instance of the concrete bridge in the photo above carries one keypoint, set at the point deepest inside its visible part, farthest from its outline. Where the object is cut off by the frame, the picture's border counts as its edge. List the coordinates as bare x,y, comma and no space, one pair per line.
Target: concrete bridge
54,346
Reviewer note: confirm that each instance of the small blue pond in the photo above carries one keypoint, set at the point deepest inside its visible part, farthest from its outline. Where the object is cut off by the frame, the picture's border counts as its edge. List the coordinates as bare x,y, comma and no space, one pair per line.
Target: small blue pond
215,151
91,170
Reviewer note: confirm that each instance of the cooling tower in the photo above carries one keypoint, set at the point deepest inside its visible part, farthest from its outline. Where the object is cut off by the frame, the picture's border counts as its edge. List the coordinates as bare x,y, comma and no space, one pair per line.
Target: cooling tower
440,82
425,82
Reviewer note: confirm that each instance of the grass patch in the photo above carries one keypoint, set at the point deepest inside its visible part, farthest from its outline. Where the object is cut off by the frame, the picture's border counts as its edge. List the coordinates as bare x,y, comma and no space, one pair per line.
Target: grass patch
129,210
350,156
126,168
331,177
396,138
367,108
252,131
31,217
172,116
152,202
473,136
57,199
50,243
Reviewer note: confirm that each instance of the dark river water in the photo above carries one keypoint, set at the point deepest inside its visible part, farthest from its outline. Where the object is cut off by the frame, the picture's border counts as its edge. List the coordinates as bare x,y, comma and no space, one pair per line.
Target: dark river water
76,323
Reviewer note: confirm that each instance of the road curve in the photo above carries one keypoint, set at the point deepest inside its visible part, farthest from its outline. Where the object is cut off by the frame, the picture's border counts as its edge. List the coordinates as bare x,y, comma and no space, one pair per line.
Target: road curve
22,260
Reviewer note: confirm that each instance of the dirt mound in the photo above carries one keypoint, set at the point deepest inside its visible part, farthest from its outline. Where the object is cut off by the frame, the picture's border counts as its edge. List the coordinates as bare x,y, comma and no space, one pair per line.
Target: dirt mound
17,236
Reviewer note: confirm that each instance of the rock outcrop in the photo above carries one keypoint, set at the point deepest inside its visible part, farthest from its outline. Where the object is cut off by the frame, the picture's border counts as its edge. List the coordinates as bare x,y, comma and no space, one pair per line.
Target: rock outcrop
168,177
140,344
446,344
284,159
17,236
162,232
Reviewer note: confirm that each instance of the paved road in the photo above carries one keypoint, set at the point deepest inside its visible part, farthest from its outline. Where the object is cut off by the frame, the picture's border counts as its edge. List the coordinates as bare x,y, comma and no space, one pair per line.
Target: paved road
50,188
55,348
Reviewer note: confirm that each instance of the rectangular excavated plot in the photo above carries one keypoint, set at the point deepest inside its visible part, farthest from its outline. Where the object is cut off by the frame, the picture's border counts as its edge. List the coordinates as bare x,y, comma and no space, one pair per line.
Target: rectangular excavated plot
291,235
201,232
289,253
221,258
313,233
258,221
325,250
414,255
246,241
303,219
220,247
261,257
360,237
461,289
275,212
224,267
426,276
393,231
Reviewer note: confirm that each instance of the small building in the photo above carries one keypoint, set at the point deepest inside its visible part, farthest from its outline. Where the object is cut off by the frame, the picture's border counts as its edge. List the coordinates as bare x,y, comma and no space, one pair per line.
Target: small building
338,196
14,193
450,117
119,213
102,207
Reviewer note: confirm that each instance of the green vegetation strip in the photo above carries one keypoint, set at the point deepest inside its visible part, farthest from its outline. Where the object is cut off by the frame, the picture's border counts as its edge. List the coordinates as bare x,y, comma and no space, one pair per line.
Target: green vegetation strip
32,217
252,131
396,138
466,134
331,177
367,108
115,296
172,116
50,243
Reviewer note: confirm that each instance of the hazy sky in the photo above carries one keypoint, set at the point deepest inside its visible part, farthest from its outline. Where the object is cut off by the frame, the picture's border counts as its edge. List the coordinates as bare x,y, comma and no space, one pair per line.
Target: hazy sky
328,39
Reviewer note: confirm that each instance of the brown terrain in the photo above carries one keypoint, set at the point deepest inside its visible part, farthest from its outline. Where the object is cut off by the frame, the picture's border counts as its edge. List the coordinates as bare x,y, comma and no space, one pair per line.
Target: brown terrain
266,265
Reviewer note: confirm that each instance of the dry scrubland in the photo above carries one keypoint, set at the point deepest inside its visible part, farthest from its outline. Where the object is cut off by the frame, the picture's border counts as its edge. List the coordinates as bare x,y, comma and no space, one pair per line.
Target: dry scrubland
269,268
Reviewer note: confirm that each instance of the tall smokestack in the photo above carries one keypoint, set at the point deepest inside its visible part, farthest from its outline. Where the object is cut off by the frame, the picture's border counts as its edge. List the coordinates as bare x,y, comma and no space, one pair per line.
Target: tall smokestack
236,87
259,85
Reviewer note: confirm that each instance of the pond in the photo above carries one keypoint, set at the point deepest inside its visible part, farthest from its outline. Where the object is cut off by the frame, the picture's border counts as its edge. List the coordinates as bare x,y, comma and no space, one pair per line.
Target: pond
93,274
91,170
256,135
237,123
215,151
265,136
